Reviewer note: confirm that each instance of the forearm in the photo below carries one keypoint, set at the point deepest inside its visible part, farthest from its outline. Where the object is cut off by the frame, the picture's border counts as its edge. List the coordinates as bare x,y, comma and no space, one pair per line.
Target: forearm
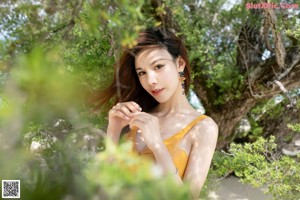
113,133
165,161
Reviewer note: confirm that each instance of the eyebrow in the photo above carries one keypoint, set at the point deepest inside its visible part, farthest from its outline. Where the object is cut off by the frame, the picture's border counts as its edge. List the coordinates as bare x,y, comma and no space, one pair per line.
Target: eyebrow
153,62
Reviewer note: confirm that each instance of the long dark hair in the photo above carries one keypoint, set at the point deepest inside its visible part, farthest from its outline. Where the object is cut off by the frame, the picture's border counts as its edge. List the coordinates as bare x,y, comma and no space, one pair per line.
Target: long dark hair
126,85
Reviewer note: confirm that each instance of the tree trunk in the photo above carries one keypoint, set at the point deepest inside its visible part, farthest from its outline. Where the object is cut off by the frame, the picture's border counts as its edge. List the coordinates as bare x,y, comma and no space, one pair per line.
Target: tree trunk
264,85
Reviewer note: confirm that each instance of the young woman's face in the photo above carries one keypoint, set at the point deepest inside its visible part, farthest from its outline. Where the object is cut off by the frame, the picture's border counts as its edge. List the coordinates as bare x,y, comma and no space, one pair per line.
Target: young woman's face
158,73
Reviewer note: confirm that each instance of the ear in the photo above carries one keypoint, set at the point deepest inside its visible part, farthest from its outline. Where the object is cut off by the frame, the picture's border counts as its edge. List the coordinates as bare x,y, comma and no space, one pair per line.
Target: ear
180,64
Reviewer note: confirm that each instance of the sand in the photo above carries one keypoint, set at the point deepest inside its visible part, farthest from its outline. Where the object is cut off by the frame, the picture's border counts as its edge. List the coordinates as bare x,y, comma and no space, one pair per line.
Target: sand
231,189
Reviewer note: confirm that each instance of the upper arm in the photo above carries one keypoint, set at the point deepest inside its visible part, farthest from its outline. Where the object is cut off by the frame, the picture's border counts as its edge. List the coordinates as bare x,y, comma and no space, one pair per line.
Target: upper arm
203,138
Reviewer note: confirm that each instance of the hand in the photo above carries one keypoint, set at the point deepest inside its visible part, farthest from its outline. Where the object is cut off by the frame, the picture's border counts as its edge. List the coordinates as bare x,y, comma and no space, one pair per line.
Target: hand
149,126
120,115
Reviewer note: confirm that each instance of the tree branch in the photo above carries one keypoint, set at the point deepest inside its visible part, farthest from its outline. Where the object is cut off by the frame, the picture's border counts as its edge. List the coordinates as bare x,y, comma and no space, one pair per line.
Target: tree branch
255,96
279,46
266,29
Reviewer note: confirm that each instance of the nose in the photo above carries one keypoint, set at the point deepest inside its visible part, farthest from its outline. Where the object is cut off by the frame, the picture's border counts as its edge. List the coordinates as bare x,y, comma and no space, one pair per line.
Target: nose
152,78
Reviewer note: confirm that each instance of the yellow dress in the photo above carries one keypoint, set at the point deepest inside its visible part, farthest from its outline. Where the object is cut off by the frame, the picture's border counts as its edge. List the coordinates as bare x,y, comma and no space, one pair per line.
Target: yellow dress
179,156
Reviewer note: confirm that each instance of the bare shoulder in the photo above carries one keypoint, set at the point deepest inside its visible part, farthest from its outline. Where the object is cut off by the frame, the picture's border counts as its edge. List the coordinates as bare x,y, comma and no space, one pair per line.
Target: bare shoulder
206,129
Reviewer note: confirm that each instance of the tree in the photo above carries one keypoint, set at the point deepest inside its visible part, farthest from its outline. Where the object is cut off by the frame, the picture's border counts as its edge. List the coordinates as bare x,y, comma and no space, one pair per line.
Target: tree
240,57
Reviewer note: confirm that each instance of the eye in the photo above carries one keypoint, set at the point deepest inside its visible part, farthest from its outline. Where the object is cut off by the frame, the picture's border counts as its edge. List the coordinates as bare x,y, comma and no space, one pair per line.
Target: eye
157,67
141,73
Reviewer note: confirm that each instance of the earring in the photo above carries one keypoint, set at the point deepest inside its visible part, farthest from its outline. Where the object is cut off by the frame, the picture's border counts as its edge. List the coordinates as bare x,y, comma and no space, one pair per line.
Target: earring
182,79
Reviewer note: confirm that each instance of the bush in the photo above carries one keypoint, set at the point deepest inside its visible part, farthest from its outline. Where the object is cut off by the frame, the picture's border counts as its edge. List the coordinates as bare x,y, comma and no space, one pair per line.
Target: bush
117,173
261,165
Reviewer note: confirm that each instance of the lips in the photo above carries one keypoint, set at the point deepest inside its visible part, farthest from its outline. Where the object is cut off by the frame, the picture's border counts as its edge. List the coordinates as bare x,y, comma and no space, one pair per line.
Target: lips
157,91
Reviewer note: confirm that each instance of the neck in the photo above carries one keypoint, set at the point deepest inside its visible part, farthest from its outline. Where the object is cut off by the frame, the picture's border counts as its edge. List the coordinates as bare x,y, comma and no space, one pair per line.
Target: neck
178,103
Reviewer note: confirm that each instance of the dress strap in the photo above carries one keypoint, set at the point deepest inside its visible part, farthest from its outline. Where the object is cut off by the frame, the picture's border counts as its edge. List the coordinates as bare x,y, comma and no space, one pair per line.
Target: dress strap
132,133
188,127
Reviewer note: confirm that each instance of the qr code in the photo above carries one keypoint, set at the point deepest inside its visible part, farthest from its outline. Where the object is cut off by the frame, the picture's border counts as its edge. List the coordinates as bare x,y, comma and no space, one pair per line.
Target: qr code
10,189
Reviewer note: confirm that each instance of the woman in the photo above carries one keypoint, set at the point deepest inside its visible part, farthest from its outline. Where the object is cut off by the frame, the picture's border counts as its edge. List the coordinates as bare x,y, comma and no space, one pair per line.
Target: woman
150,83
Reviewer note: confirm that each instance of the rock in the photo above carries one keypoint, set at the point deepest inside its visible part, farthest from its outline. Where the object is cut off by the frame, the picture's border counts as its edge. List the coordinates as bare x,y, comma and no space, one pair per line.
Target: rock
291,151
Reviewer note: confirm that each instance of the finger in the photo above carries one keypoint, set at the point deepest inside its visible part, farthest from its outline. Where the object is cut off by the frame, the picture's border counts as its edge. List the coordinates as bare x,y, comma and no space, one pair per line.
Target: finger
122,107
141,115
137,106
129,107
136,123
125,108
119,113
134,107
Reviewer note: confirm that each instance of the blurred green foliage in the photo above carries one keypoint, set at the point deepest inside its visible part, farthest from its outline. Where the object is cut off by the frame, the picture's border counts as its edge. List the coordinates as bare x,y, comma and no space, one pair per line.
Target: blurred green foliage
53,55
124,175
261,165
294,127
210,38
54,52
